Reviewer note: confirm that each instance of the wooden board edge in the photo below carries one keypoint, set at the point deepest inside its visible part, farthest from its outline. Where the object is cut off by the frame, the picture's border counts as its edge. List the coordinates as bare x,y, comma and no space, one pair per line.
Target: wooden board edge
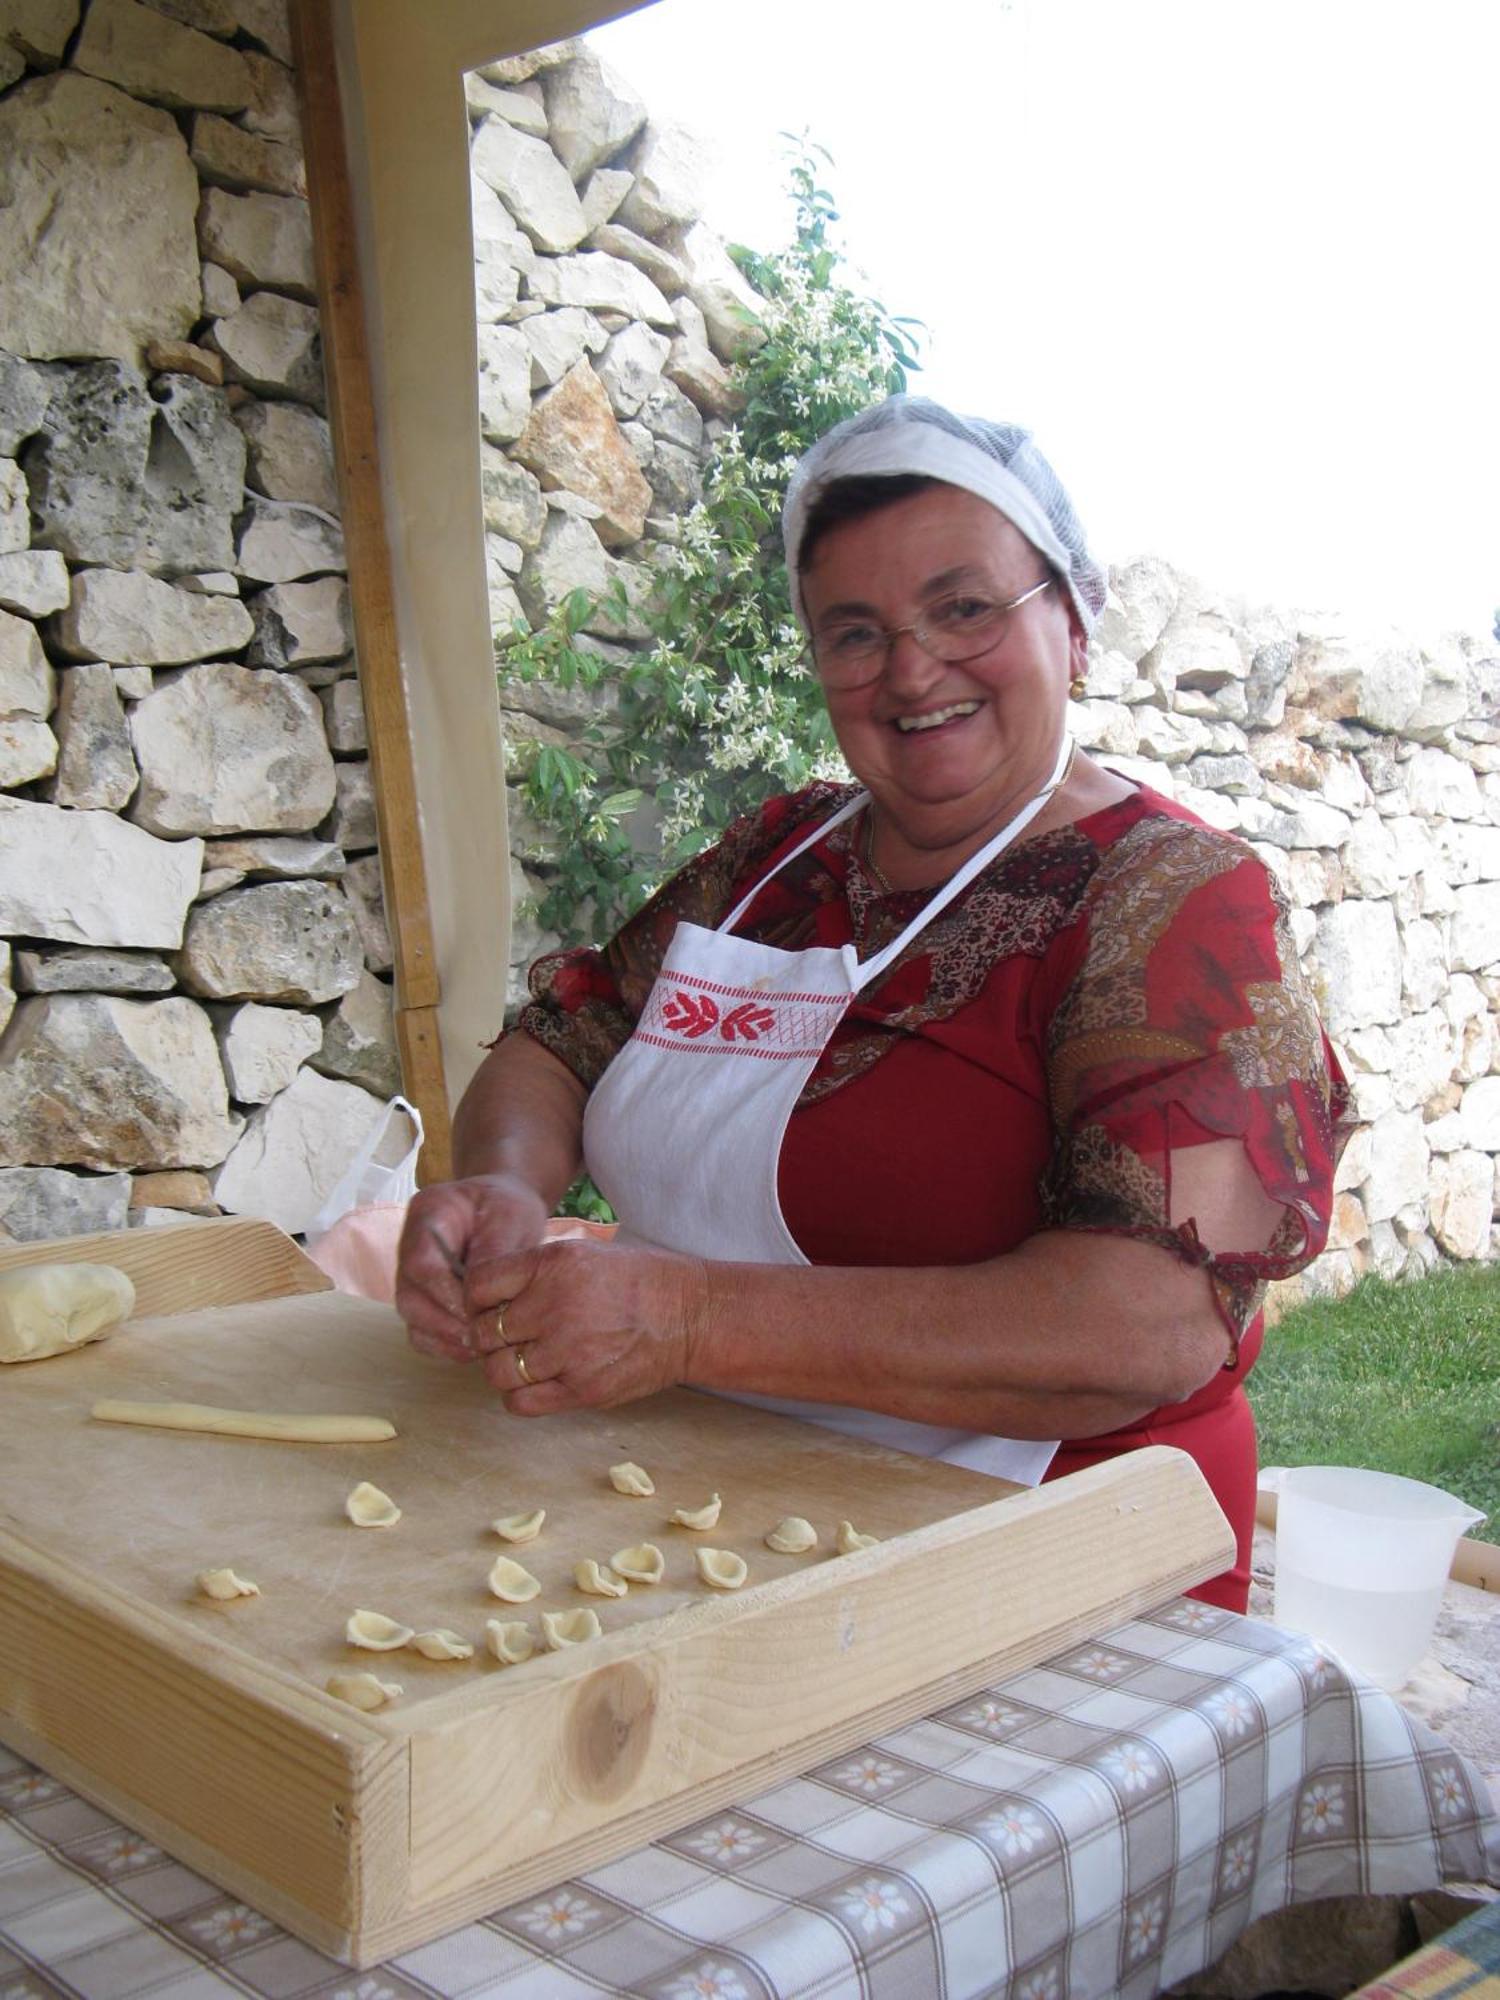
419,1924
219,1261
640,1724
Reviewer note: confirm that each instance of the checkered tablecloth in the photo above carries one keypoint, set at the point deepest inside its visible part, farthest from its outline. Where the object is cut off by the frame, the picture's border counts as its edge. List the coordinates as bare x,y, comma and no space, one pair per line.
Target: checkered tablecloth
1106,1823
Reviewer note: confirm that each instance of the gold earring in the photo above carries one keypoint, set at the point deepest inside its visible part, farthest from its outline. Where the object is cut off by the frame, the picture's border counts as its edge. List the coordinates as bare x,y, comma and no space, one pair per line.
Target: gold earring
1077,685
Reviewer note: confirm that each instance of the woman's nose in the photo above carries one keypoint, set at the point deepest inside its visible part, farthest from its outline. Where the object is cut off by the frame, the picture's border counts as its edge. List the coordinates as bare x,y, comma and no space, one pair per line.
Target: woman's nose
908,664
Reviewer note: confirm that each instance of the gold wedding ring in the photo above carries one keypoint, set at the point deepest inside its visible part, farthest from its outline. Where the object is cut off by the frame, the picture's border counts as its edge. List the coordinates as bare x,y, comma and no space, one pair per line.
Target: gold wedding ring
500,1327
521,1369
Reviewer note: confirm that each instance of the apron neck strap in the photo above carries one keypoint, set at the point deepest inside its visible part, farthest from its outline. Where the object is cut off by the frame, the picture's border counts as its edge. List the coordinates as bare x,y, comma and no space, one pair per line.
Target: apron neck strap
824,826
871,968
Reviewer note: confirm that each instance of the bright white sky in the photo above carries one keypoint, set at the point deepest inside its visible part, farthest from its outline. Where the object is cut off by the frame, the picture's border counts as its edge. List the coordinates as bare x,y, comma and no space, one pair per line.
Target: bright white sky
1234,261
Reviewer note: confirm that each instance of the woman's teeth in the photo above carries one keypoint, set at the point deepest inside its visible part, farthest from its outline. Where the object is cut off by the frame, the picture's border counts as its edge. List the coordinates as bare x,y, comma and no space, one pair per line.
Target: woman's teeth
935,717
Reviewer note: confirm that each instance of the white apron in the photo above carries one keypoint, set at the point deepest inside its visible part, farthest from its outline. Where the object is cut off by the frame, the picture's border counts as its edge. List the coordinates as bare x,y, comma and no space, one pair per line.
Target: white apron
683,1131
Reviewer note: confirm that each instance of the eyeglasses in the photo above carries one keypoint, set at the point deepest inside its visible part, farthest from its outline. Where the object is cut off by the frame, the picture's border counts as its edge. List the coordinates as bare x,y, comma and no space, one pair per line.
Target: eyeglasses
854,651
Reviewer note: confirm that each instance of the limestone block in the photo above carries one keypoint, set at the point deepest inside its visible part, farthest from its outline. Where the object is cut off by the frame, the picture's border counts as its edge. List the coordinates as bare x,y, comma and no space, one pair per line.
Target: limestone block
1200,654
95,767
570,556
1313,876
90,878
282,541
1446,1133
81,969
295,1149
353,825
212,583
1424,960
504,383
1399,1165
631,367
1172,738
603,283
151,56
533,184
27,687
514,70
1372,865
7,990
1447,697
1474,935
572,442
275,856
135,620
184,357
602,194
503,555
1462,1200
38,1203
1354,1162
1478,1044
1235,775
366,902
485,100
292,942
39,29
513,503
1468,852
267,22
1441,786
1371,682
1423,1051
1304,928
12,65
272,344
669,416
100,196
1479,1114
659,265
702,378
181,1190
15,504
506,614
228,156
133,683
272,110
1142,597
260,239
1299,821
591,113
359,1039
675,478
730,308
24,395
1358,952
134,480
297,623
344,718
497,240
1105,725
670,169
262,1048
229,749
221,295
559,340
290,454
91,1080
28,750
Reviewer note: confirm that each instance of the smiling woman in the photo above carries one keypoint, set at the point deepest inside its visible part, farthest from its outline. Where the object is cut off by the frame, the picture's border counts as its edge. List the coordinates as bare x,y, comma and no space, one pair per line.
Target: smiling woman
968,1107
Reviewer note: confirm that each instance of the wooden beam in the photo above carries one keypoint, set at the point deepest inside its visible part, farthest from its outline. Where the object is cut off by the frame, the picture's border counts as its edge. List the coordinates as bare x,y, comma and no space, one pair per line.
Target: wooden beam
351,407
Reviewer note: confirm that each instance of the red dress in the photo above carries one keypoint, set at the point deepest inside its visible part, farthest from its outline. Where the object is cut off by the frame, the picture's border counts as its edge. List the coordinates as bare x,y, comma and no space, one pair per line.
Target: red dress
1098,997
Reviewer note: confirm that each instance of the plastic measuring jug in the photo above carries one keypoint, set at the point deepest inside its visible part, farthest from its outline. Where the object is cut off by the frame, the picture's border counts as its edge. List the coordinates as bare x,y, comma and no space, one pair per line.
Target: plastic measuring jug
1361,1560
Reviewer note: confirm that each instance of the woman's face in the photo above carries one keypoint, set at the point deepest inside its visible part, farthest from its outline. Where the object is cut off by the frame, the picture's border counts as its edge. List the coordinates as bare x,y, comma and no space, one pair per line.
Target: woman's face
946,750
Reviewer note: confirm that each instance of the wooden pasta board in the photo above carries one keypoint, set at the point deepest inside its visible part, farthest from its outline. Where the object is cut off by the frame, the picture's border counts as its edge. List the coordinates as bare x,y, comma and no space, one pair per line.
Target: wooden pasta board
207,1725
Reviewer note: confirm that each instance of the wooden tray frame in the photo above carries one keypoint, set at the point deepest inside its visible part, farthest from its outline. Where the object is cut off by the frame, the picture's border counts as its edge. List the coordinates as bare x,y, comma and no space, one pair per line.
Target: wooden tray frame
369,1835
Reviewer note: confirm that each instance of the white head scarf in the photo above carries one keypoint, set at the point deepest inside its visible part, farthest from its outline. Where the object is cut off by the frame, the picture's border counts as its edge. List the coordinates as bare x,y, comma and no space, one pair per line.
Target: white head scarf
998,462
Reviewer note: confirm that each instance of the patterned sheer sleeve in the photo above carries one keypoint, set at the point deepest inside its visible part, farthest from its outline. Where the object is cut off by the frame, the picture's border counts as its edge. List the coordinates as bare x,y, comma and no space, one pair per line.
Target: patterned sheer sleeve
585,1003
1187,1020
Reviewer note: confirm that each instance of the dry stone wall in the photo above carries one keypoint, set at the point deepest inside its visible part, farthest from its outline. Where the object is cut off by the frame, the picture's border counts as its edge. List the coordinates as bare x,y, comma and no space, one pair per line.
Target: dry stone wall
193,955
194,978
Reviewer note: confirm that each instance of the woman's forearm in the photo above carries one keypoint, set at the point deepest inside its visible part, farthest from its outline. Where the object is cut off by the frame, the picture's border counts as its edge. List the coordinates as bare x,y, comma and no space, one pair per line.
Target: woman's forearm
522,1115
1067,1336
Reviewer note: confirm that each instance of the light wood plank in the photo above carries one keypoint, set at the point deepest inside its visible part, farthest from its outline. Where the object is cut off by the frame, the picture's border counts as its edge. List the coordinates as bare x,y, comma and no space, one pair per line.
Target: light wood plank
351,407
222,1261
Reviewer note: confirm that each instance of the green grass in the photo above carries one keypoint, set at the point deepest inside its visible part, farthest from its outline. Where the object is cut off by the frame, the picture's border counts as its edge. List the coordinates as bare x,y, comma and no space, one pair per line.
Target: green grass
1400,1378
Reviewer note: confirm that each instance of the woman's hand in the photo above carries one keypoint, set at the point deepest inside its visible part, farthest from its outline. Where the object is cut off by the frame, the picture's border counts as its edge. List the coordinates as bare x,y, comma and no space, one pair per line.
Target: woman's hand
585,1325
454,1232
